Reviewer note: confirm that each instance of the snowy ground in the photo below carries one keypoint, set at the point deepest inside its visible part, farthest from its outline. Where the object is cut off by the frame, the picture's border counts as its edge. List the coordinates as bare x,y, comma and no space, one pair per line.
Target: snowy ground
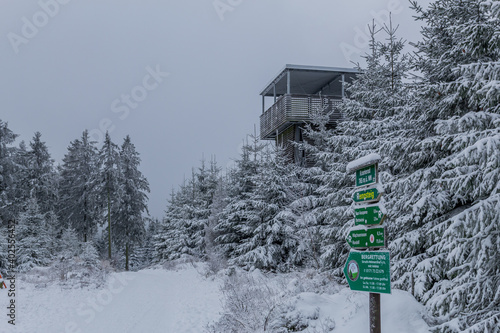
183,300
146,301
347,312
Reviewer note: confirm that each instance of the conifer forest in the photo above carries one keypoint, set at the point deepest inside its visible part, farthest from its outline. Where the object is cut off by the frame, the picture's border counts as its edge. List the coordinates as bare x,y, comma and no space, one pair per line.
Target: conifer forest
430,109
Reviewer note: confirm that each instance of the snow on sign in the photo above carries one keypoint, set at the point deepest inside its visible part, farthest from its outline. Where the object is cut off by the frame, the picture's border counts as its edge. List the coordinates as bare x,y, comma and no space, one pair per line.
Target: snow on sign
366,169
368,271
363,162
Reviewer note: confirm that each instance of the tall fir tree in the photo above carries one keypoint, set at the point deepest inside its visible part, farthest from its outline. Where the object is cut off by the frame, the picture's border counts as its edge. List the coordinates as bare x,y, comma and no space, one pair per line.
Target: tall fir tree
41,174
7,173
219,202
33,239
129,229
238,215
146,254
79,206
21,189
458,197
172,240
372,122
182,231
109,186
204,184
272,241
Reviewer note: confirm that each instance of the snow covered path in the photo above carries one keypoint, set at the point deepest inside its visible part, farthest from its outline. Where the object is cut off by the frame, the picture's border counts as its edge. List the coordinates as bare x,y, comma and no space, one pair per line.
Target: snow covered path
146,301
159,301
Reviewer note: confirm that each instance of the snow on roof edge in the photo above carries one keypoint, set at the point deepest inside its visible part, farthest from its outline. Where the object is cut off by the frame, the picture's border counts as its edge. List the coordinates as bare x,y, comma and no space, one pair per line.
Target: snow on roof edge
363,162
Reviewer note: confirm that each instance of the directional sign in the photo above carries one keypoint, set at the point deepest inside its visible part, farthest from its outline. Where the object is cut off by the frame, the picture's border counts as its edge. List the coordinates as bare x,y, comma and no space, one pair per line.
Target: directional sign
369,215
368,195
366,237
367,175
368,271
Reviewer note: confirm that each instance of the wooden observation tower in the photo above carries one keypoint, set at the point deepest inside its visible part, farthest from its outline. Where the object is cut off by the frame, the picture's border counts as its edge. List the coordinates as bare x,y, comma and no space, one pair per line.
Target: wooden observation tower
297,92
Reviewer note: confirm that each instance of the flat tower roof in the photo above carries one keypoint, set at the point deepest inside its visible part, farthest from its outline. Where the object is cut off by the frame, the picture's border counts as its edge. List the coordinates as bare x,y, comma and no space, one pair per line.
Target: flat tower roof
305,79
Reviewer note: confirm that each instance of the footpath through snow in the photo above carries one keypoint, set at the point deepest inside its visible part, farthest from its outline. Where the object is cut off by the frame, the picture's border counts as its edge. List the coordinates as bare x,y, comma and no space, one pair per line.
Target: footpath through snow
146,301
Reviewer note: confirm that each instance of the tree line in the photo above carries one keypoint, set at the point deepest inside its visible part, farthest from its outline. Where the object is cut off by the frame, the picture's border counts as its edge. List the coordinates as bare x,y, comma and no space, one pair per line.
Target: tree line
93,203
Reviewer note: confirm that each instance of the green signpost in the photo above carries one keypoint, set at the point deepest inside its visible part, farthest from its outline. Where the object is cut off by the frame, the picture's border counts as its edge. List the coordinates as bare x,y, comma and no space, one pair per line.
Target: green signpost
369,215
366,196
366,238
367,175
368,271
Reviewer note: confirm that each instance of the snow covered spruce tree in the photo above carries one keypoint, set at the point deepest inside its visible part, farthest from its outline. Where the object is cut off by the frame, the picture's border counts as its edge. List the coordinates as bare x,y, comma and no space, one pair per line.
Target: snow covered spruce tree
313,228
129,229
381,119
145,255
33,240
20,190
272,241
237,217
171,240
7,173
78,204
108,186
67,248
182,231
458,198
372,122
216,259
204,183
41,174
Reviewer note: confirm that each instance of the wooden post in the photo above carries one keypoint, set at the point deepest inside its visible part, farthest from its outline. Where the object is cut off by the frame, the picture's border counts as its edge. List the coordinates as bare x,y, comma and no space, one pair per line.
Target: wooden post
126,257
412,284
375,323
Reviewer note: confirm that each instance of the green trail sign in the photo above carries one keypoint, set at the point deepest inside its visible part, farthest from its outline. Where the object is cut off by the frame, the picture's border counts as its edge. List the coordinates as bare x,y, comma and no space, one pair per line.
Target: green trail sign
369,215
368,195
366,237
368,271
367,175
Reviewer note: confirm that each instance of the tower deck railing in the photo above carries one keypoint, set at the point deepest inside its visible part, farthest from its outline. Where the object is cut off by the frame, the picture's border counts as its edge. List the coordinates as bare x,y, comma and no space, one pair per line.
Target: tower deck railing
295,108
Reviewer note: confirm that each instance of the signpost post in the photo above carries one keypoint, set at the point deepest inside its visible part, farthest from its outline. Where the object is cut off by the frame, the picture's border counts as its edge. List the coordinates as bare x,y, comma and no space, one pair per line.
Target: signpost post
368,271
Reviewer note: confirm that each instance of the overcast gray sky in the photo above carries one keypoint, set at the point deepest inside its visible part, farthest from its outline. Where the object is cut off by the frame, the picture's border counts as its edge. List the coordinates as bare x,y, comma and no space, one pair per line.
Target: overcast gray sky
70,65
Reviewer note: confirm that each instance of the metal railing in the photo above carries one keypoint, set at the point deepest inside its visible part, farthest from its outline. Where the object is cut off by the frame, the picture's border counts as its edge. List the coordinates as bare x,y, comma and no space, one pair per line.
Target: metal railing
296,108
